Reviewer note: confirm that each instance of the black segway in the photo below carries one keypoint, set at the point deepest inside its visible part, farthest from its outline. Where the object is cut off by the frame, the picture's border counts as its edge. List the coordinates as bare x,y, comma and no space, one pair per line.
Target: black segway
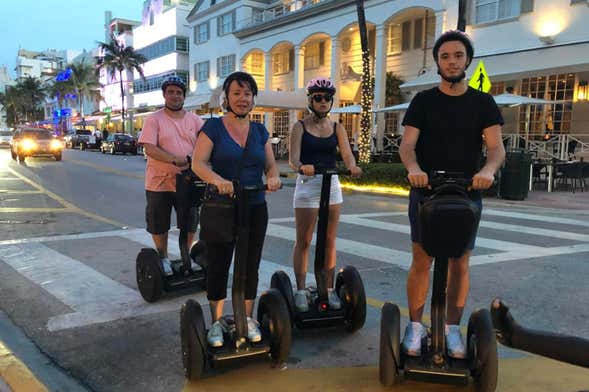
447,221
272,315
151,279
565,348
348,283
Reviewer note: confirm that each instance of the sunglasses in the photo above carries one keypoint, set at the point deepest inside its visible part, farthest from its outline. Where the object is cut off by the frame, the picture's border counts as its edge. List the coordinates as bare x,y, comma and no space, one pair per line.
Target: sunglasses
319,98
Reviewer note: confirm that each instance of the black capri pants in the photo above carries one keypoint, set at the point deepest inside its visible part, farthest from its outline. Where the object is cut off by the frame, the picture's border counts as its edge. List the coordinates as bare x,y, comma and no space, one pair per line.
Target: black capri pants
220,254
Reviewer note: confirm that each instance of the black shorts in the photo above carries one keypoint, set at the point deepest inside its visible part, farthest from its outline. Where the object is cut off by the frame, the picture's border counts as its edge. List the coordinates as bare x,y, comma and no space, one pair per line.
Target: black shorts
415,198
158,213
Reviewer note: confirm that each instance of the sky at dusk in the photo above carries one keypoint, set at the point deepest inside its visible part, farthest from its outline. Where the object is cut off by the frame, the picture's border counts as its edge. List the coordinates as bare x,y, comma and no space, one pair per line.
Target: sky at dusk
57,24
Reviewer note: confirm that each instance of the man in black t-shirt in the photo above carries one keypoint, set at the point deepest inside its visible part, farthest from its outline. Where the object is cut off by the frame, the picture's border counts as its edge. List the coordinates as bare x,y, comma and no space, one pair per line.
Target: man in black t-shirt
444,130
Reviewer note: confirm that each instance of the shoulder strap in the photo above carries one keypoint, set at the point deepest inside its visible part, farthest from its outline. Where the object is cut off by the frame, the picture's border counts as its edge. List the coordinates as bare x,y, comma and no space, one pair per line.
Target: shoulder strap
303,125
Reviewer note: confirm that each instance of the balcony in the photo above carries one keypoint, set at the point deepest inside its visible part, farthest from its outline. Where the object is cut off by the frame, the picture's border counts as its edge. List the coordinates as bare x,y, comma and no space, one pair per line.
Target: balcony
283,11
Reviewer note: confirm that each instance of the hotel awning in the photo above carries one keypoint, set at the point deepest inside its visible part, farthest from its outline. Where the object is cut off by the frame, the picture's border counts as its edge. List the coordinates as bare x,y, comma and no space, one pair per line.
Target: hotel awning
196,101
282,100
513,66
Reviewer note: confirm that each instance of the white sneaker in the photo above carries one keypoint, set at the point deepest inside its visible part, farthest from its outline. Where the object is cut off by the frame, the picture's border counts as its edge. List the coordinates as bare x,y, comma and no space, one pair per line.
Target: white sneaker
414,333
301,301
253,332
215,334
167,266
454,343
333,299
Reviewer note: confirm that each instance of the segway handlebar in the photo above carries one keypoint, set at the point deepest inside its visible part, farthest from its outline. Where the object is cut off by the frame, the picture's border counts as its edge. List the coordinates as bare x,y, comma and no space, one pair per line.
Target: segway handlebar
565,348
244,188
440,178
319,170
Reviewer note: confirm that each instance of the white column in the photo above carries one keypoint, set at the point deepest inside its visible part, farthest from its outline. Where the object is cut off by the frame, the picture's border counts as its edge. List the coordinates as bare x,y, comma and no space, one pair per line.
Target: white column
268,117
299,67
335,67
380,80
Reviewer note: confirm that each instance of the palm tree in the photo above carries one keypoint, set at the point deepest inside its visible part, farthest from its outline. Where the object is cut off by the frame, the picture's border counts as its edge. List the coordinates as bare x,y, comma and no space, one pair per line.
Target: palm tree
461,15
84,82
11,99
117,59
33,94
367,88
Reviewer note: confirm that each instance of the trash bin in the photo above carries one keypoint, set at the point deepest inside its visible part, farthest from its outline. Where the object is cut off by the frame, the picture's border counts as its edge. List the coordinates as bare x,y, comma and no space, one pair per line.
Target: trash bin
515,175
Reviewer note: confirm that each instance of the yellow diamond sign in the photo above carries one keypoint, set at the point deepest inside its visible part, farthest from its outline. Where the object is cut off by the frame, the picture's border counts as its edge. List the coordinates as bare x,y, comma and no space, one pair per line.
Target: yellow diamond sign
480,80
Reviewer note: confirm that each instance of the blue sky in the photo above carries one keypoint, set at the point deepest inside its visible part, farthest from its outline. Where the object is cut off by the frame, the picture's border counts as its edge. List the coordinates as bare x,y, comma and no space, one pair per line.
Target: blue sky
56,24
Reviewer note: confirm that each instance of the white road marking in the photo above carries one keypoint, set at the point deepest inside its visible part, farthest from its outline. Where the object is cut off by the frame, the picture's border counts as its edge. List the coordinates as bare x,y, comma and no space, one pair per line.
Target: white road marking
536,217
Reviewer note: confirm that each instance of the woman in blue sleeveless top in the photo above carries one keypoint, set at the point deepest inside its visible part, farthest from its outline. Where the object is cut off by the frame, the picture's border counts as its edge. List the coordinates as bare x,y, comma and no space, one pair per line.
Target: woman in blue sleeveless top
313,143
222,143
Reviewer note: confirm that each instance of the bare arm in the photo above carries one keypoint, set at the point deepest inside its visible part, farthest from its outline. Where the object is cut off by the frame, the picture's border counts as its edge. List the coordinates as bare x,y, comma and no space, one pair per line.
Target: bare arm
162,155
417,177
495,156
346,151
295,138
272,174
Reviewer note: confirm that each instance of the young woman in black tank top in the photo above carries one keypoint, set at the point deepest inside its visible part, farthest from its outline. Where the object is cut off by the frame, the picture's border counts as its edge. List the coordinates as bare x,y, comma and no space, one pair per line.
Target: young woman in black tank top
314,142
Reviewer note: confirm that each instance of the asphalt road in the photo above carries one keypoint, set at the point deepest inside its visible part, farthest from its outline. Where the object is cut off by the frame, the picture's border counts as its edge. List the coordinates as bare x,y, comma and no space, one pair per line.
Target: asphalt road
71,231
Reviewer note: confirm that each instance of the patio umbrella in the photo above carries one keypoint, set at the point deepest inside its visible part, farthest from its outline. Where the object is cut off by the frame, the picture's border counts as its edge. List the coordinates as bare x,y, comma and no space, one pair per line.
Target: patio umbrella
513,100
352,109
396,108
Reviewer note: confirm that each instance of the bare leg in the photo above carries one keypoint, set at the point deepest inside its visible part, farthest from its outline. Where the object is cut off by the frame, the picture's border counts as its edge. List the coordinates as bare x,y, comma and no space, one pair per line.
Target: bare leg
161,243
249,307
305,219
418,282
330,251
190,238
216,309
458,285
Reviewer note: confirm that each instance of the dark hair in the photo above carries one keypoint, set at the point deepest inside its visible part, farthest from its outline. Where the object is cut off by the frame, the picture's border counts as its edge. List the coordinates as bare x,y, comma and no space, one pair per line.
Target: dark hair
240,78
454,35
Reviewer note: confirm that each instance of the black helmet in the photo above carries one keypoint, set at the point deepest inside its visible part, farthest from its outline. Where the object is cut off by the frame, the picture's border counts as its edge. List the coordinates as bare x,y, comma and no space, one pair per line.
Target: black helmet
240,77
174,81
455,35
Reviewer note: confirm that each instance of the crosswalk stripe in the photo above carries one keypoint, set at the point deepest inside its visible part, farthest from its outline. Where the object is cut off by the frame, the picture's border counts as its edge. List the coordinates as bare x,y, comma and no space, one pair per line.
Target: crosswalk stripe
374,252
535,217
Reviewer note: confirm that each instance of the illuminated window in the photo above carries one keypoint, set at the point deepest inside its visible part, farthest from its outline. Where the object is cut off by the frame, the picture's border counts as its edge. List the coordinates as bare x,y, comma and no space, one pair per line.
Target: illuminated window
280,63
257,63
314,54
281,124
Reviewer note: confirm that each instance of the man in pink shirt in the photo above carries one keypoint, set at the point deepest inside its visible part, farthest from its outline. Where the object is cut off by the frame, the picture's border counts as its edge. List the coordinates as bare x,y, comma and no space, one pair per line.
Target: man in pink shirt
168,137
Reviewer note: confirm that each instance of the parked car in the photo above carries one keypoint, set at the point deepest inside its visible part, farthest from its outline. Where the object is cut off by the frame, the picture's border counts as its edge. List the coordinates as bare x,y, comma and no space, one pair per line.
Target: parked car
29,142
5,138
119,142
82,139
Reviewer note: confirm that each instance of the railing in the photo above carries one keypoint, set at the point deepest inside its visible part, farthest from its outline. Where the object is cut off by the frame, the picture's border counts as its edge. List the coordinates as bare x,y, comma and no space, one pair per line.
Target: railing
562,147
277,12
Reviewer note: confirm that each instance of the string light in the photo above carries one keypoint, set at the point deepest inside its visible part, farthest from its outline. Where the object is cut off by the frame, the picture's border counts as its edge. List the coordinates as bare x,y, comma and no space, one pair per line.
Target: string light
364,140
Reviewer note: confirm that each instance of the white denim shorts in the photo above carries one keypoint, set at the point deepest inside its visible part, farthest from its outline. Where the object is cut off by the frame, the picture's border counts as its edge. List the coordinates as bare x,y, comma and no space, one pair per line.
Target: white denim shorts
308,191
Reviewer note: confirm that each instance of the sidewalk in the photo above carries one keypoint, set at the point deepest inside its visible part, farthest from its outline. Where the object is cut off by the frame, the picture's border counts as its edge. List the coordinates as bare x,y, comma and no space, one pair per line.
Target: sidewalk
565,200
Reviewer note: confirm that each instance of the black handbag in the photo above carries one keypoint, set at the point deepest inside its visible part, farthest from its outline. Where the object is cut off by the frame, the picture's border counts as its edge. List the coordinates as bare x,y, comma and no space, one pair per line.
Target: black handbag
218,215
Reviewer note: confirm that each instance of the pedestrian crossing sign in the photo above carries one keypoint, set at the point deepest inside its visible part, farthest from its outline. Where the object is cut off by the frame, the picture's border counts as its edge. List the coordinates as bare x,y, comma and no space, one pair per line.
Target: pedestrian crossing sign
480,80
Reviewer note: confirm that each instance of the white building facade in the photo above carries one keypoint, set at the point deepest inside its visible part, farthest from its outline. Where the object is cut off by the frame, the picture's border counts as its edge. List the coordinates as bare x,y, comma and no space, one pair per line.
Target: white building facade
163,38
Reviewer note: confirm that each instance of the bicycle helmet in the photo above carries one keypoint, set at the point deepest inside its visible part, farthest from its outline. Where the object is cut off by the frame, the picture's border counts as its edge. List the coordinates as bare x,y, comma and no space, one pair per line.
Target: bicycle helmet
319,85
174,81
454,35
241,78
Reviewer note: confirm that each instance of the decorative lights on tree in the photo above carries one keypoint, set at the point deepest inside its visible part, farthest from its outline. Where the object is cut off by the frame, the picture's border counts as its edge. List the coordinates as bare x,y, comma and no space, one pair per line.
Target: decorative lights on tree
364,140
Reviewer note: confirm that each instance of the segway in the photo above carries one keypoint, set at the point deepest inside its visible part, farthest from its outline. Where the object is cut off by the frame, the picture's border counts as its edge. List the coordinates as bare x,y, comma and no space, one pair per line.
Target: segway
348,283
272,315
447,222
151,279
564,348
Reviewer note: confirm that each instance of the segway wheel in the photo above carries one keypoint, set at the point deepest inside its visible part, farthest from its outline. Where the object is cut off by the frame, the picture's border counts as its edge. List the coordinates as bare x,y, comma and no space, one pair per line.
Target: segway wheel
281,282
390,349
198,254
149,274
275,323
350,289
193,335
482,350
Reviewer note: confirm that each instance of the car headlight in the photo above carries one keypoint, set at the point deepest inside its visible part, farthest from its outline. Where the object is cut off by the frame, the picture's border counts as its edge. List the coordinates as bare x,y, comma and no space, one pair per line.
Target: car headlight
28,144
55,145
